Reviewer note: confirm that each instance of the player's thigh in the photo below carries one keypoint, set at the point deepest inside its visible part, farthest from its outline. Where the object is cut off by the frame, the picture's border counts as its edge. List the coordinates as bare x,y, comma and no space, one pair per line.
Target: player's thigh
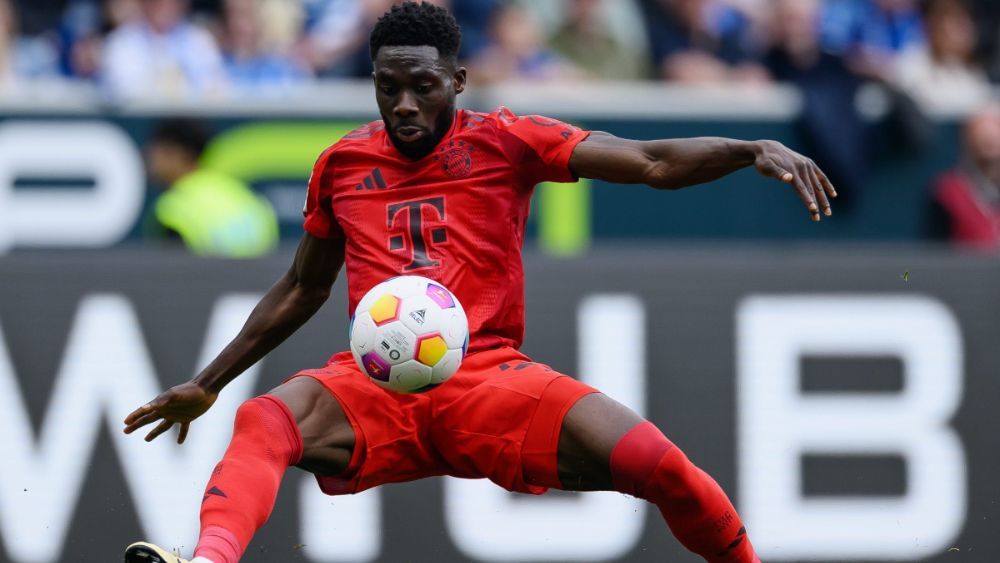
590,431
327,437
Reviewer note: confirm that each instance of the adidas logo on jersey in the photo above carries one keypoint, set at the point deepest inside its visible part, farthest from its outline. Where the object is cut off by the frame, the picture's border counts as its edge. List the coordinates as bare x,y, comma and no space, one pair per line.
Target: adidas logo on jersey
372,181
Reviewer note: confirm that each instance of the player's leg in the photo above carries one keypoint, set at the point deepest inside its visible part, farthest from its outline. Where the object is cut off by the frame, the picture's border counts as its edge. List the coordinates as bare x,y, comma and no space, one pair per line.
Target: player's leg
605,446
299,423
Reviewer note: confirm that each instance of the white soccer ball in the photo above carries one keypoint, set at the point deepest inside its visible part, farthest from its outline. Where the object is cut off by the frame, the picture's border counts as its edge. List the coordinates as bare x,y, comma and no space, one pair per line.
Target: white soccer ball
409,334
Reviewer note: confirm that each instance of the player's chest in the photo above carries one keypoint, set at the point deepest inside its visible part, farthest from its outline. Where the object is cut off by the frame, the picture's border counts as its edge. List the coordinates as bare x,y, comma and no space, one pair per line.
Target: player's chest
457,174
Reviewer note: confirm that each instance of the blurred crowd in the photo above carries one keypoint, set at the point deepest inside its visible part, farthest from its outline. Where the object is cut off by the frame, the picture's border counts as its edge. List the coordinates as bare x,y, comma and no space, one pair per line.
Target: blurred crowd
934,49
924,53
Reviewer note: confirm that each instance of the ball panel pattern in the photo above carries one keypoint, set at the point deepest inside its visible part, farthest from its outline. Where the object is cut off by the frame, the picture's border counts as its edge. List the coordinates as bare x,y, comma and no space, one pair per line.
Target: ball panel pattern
440,295
406,286
363,333
420,314
375,366
385,309
446,366
395,343
430,349
409,376
454,327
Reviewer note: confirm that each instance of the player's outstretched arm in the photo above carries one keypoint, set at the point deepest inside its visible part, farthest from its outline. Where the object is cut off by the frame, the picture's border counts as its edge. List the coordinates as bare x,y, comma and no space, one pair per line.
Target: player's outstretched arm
285,307
678,163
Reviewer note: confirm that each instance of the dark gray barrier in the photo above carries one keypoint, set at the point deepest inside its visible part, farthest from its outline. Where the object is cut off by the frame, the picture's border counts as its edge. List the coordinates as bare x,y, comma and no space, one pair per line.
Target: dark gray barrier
845,400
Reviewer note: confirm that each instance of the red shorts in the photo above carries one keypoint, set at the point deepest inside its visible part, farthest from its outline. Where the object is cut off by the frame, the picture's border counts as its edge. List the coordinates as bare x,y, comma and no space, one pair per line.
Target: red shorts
498,417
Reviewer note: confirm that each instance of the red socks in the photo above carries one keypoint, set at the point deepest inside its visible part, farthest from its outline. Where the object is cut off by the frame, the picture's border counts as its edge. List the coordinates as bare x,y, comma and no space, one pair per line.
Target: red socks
241,492
647,465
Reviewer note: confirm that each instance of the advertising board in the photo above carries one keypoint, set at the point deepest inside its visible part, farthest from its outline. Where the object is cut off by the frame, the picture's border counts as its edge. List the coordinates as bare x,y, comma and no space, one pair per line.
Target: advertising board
845,400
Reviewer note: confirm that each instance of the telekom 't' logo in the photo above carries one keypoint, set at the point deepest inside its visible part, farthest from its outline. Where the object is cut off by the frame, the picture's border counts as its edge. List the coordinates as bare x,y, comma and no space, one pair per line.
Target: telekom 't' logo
408,219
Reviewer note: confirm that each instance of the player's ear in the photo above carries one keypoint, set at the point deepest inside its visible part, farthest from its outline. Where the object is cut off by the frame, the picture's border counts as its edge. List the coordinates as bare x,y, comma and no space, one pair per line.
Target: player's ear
459,79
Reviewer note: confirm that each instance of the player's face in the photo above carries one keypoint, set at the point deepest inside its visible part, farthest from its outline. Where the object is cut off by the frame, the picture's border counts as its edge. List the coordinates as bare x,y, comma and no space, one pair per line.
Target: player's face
415,90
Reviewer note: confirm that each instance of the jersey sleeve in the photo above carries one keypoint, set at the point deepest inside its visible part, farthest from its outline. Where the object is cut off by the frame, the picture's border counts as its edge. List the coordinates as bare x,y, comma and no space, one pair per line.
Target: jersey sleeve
544,145
320,221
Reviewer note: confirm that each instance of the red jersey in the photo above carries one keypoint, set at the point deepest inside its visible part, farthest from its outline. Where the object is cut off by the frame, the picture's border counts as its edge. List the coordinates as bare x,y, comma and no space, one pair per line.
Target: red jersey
457,215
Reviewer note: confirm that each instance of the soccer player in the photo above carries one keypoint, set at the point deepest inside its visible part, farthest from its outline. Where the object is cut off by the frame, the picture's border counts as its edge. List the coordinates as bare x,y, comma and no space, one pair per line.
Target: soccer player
443,193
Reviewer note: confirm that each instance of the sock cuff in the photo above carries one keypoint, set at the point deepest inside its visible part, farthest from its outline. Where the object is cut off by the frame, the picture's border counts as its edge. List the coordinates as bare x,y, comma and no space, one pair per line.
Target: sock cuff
636,456
218,545
286,422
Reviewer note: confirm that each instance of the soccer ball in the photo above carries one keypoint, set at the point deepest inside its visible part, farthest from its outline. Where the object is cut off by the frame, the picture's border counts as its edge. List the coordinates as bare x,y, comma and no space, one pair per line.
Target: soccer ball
409,334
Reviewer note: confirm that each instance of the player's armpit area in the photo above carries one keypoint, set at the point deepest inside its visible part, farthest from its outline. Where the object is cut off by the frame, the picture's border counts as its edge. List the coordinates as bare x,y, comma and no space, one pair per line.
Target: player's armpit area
317,261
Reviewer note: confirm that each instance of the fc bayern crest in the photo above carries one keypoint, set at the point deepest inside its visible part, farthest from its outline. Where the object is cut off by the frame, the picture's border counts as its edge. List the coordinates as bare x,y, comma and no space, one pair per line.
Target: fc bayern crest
455,159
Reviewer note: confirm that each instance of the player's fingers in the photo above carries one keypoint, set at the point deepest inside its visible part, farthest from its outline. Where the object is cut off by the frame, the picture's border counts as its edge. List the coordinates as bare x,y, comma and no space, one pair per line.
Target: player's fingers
142,421
149,407
817,188
141,411
807,197
182,435
827,184
160,429
775,171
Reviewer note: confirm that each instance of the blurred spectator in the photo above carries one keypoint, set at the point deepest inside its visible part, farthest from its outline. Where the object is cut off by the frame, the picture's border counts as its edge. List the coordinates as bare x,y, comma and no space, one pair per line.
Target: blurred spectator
120,12
37,17
830,124
871,32
28,52
281,24
701,41
334,36
474,17
162,55
986,14
944,69
586,40
82,32
7,37
213,214
336,32
519,52
81,38
214,8
252,67
967,198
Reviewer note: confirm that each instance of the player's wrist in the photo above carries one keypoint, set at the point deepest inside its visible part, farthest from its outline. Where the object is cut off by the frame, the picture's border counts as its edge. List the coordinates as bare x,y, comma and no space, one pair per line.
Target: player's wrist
212,385
754,149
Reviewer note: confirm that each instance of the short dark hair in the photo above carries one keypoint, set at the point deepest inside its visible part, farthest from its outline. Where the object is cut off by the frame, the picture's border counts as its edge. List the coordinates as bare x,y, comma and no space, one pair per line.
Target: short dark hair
188,134
416,24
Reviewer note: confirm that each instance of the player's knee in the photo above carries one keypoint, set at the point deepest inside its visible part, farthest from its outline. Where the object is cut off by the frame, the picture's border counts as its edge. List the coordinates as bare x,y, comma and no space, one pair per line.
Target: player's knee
251,416
268,421
636,460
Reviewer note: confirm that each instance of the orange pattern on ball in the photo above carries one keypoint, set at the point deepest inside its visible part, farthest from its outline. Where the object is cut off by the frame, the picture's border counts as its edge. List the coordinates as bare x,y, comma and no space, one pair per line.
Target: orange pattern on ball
385,309
431,349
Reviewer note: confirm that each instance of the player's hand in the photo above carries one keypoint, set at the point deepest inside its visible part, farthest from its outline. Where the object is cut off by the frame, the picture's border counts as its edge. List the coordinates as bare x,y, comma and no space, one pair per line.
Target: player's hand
178,405
814,188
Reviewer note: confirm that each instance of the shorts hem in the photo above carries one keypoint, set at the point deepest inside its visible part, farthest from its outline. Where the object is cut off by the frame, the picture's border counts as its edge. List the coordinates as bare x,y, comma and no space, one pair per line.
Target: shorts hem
540,450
